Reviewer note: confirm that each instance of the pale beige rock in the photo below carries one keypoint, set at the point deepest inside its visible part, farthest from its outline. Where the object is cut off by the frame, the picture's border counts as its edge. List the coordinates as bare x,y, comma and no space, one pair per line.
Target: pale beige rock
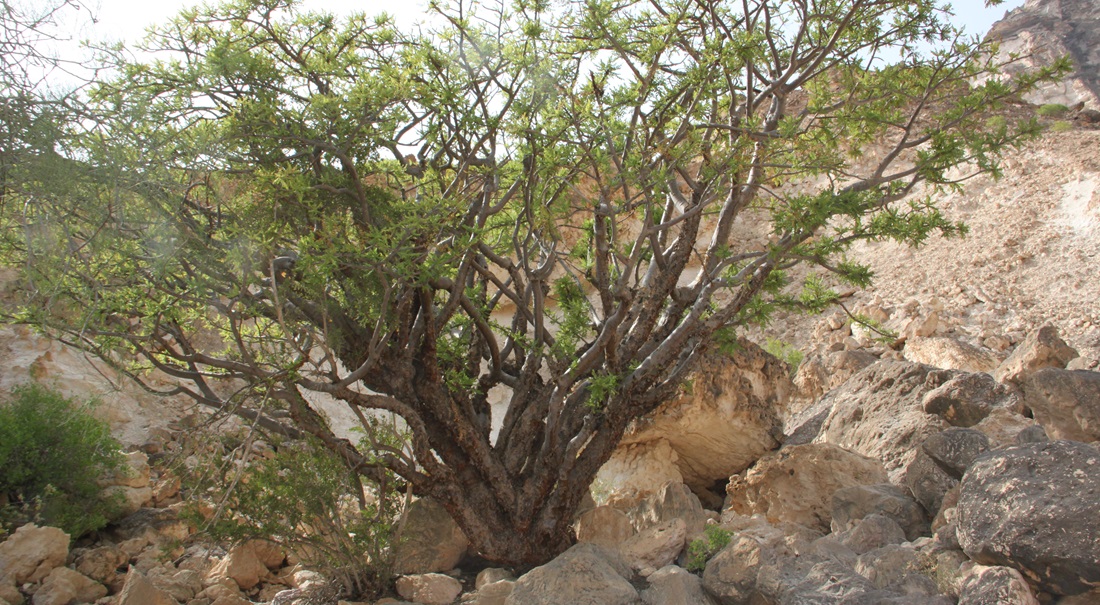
636,470
585,573
429,588
603,525
655,547
102,564
242,565
269,553
133,498
492,594
64,587
492,575
673,585
949,354
796,484
672,501
31,553
10,594
1043,348
1002,426
995,585
728,419
138,590
819,374
432,541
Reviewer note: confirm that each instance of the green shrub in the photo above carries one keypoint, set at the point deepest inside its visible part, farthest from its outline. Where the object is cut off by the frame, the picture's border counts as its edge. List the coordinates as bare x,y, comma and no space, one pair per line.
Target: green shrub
1061,126
308,502
52,451
785,351
702,549
1051,110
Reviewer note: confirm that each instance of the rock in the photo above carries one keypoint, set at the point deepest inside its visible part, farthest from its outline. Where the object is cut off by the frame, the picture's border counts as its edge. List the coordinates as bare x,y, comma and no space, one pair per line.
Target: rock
898,568
655,547
672,585
870,532
1066,403
138,590
879,413
636,470
796,484
102,564
135,472
132,499
242,565
496,593
671,501
492,575
819,374
850,504
585,574
949,354
429,588
967,399
1034,508
928,482
31,553
182,584
1043,348
729,419
10,594
604,525
64,586
432,542
269,553
1003,427
955,449
831,582
996,585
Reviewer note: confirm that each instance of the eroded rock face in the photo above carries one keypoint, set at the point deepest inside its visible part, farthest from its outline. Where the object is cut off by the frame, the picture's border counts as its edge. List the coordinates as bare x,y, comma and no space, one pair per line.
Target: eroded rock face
1034,508
730,419
583,575
1066,403
797,484
819,374
138,590
1044,30
879,413
606,526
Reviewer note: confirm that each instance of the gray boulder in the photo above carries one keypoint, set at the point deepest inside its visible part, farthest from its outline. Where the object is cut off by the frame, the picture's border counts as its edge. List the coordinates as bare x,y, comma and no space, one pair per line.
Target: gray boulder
1066,403
995,585
1035,508
850,504
955,449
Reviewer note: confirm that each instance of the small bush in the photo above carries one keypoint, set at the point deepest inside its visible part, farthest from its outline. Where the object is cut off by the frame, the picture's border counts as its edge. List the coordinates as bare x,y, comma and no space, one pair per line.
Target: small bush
1061,126
702,549
1051,110
786,352
52,451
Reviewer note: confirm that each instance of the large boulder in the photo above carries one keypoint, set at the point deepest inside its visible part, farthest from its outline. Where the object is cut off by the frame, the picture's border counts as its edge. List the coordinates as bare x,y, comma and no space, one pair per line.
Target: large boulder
242,565
585,574
672,585
31,553
1066,403
64,586
429,588
967,399
1035,508
604,525
940,462
852,504
995,585
879,413
432,541
727,419
949,354
636,470
138,590
672,501
820,373
655,547
797,484
1043,348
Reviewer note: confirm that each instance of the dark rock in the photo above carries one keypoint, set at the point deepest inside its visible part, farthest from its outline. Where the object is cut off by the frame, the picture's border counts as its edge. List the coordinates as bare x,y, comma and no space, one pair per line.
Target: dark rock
955,449
928,482
1035,508
1032,434
850,504
967,399
871,532
995,586
1065,402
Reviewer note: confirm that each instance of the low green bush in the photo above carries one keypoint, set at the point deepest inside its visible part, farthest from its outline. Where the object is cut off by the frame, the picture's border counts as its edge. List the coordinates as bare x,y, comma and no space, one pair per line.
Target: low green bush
702,549
1051,110
786,352
1061,126
52,451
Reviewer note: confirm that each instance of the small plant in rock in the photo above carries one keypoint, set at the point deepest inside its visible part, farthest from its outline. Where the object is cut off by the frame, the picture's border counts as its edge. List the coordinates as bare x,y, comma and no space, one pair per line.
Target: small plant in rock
1051,110
703,549
52,450
786,352
307,501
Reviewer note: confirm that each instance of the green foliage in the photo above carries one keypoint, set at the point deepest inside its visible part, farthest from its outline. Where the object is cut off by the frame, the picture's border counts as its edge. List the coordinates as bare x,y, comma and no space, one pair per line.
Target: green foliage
702,549
1061,126
785,352
52,451
1051,110
307,501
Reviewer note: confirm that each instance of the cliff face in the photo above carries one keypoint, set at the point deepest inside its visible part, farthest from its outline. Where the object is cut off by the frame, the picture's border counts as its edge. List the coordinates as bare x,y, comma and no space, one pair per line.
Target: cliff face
1042,30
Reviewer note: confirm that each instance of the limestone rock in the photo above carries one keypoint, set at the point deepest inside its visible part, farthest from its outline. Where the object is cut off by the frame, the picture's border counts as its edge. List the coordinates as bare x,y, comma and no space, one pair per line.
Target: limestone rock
898,568
242,565
967,399
851,504
636,470
870,532
102,564
1066,403
879,413
138,590
496,593
585,574
796,484
928,482
655,547
672,585
432,542
1034,508
492,575
949,354
10,594
604,525
1043,348
671,501
730,418
64,586
429,588
1003,427
819,374
995,585
31,553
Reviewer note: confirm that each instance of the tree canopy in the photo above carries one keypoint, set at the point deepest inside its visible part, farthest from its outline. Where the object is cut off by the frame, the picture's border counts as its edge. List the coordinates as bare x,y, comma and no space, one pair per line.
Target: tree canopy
530,198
